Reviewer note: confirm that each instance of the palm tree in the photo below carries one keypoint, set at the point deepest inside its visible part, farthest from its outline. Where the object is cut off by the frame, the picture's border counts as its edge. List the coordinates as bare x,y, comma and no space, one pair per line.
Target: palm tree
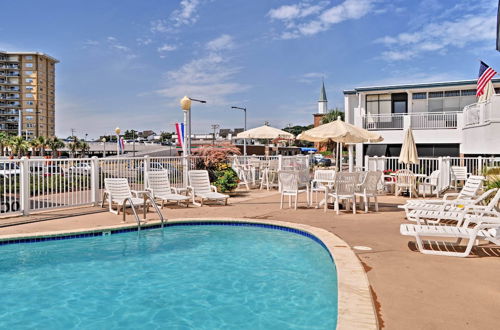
33,144
4,141
73,146
19,146
84,148
332,115
41,144
55,144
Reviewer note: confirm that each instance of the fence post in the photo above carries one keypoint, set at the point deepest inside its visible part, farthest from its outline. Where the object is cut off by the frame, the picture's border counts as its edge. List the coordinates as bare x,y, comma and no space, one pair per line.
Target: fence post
25,186
479,166
185,169
147,164
440,168
280,162
367,165
94,180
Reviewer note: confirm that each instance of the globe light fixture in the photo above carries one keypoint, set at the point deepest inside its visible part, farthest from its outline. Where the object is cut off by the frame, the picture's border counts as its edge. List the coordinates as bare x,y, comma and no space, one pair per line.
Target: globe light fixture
186,103
117,130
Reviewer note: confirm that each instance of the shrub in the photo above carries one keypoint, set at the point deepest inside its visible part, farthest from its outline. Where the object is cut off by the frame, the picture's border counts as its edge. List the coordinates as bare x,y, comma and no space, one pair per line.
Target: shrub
226,178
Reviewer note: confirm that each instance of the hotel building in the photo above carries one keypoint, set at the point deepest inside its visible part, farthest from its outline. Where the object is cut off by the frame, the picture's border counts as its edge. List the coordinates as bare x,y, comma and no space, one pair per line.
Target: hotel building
445,118
27,94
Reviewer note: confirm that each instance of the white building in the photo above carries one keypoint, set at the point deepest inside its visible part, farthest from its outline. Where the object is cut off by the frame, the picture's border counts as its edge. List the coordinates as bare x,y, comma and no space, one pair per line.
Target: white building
444,117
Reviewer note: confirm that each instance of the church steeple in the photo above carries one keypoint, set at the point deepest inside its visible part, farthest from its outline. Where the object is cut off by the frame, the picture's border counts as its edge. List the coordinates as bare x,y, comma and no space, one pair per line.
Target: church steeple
323,101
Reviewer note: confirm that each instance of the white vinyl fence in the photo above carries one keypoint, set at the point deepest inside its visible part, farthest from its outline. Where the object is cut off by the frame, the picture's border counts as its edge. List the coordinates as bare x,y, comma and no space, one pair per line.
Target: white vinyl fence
426,165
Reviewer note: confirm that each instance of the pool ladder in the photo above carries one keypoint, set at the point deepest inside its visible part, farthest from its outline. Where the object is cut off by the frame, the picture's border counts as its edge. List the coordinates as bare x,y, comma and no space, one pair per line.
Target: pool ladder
132,206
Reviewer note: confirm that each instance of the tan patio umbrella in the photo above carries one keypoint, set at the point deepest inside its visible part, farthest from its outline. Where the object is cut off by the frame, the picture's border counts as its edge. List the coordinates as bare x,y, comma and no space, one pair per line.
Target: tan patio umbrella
265,132
408,153
489,91
340,132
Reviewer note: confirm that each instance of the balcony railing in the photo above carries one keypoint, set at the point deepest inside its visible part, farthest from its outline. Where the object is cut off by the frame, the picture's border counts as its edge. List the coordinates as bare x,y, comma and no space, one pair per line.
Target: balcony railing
423,120
482,113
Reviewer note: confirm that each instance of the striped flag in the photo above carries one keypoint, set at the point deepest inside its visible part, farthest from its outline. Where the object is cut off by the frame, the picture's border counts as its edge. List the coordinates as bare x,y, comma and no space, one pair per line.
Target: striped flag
179,129
486,73
121,145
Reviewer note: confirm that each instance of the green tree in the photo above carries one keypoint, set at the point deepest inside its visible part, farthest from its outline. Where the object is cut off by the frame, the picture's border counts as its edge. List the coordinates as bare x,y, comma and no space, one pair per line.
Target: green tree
296,130
332,115
84,148
165,136
55,144
18,146
4,141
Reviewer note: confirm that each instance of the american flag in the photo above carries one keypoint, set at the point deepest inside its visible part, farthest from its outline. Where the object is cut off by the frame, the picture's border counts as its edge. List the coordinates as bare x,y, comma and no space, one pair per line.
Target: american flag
486,73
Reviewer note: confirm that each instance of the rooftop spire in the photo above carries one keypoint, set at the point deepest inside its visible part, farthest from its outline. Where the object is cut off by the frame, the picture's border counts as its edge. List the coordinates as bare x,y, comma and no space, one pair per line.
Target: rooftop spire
322,94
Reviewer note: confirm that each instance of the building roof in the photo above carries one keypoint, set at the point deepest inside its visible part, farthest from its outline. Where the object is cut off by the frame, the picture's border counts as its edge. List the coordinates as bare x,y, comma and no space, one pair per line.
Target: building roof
322,94
30,53
415,86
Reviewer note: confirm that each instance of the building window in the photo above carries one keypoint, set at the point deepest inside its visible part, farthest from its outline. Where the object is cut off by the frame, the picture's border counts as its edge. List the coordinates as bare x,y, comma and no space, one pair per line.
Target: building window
419,96
28,73
29,117
28,80
30,125
29,95
30,103
468,92
28,110
28,65
378,104
28,57
30,88
433,95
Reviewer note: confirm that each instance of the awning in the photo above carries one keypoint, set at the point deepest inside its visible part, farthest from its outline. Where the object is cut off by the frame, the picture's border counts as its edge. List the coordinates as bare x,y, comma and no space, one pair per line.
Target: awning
308,149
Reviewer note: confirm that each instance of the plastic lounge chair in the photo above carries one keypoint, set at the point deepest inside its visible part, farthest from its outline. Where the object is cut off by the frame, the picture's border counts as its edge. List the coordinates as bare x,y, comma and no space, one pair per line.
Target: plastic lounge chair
369,189
318,183
456,212
199,186
430,182
468,193
344,189
486,227
117,191
289,184
158,184
405,180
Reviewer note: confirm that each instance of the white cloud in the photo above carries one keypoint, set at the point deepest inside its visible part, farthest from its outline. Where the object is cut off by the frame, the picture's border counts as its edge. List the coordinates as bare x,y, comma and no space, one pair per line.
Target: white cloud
223,42
304,19
210,76
441,36
110,44
186,14
144,41
310,77
166,48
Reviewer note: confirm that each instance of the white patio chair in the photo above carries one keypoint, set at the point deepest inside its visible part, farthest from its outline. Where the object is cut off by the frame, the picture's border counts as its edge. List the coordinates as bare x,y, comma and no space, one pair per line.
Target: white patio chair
431,182
405,180
485,227
458,173
369,189
117,191
242,172
199,186
269,175
323,180
344,189
158,183
289,185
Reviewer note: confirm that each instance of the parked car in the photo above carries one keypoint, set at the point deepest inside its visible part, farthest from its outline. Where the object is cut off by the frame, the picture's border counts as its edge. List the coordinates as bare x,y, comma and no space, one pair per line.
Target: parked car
326,162
9,169
156,166
80,169
47,170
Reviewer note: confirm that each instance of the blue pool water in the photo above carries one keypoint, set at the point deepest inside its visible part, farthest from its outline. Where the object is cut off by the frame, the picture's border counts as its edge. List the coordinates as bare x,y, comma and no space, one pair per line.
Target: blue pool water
181,277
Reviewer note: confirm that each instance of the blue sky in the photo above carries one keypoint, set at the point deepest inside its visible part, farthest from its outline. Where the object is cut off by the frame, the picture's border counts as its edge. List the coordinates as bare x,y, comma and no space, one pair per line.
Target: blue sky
127,63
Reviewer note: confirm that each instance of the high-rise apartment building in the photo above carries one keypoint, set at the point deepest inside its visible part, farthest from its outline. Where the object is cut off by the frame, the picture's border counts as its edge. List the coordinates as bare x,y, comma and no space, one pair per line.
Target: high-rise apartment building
27,94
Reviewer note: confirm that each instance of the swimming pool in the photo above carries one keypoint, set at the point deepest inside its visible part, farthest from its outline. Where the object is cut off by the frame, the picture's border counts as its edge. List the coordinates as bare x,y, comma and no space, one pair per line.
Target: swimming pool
203,277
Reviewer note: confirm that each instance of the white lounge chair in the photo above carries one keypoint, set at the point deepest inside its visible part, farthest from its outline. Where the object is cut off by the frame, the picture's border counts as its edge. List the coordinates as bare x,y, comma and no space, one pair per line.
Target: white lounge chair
289,186
158,183
429,184
369,189
199,186
344,189
242,172
468,193
454,211
485,227
117,191
322,180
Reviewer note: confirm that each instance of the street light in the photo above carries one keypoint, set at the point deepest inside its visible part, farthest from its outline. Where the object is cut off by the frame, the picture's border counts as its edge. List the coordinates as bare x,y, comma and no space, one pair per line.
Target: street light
244,140
214,127
103,147
117,131
186,107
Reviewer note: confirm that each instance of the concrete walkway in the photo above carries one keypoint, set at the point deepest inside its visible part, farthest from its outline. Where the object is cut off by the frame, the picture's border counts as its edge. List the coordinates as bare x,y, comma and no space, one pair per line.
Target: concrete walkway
411,290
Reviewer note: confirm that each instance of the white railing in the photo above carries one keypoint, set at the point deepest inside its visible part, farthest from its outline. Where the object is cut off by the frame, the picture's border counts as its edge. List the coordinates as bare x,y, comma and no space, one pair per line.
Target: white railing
420,120
383,122
34,185
472,114
482,112
434,120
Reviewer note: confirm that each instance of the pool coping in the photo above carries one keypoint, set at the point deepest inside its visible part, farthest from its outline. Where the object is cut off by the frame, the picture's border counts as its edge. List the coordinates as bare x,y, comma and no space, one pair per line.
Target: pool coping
355,304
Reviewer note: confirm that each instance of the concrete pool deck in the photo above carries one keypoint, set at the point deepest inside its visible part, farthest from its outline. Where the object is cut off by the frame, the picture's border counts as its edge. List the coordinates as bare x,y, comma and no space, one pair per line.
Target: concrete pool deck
410,290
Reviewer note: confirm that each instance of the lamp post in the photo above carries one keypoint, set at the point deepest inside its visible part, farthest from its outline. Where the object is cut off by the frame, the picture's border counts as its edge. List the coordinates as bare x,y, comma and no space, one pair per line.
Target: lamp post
244,140
214,127
103,147
186,107
20,123
117,131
